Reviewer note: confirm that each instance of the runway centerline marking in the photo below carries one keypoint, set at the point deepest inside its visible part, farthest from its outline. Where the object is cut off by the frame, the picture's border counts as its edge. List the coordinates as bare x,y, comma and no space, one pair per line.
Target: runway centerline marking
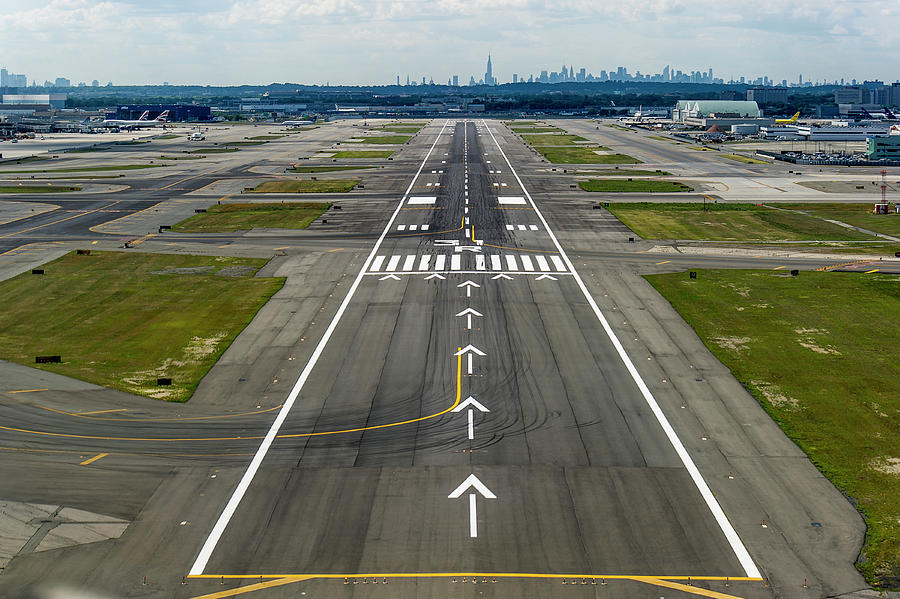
712,503
225,517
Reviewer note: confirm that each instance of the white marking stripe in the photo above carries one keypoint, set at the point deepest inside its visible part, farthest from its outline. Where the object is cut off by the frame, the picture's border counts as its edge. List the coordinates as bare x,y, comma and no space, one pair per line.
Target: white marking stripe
712,503
376,263
439,262
495,262
455,262
392,263
511,262
235,500
532,227
479,262
508,227
423,263
522,227
408,263
517,200
401,227
421,200
558,263
542,263
526,263
424,227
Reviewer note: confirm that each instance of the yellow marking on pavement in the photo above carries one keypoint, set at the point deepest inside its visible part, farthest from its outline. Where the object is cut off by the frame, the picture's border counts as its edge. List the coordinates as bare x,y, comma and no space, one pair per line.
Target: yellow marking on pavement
779,267
27,390
272,580
278,582
663,262
284,247
336,250
868,272
60,220
224,246
94,242
143,239
86,415
93,459
101,412
253,438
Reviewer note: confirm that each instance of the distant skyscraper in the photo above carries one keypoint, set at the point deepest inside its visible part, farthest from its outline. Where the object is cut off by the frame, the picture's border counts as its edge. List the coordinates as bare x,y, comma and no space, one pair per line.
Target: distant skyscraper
489,73
515,77
456,81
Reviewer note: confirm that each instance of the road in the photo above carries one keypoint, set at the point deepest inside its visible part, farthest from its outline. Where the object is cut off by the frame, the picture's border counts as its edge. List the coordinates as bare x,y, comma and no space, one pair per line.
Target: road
467,402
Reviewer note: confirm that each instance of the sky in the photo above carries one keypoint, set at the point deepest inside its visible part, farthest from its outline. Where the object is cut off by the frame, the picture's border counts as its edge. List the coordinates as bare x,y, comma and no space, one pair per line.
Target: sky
227,42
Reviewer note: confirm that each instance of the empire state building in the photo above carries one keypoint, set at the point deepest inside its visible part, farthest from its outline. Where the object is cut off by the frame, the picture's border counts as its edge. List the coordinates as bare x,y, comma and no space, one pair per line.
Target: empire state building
489,74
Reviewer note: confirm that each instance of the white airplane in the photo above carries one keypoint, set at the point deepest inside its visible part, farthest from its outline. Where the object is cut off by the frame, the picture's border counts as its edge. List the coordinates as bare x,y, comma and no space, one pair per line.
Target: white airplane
294,123
142,123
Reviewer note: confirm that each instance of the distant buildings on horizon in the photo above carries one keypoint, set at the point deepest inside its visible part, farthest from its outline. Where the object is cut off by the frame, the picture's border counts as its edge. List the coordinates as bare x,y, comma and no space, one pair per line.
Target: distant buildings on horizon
8,79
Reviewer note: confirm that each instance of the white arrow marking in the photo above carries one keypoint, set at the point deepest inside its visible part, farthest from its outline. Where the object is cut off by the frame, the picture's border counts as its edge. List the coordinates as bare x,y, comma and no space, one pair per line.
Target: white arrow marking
467,248
446,242
501,276
469,348
395,277
435,275
468,285
545,277
470,402
469,313
472,481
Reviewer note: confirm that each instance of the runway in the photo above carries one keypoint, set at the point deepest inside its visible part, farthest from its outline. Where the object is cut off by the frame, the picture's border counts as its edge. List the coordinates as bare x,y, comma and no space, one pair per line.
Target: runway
477,411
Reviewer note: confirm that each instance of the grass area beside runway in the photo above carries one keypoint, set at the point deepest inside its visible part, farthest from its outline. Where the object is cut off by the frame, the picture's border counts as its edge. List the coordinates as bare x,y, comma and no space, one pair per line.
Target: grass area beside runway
634,186
180,157
306,186
726,222
744,159
620,128
400,128
528,130
168,136
363,154
381,139
37,188
245,143
812,350
267,137
625,172
85,169
553,139
328,169
212,150
224,218
123,319
858,215
582,155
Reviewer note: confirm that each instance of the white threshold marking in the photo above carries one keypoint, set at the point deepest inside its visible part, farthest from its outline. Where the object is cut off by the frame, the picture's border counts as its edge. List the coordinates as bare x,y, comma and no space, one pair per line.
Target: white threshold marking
712,503
421,200
513,200
234,501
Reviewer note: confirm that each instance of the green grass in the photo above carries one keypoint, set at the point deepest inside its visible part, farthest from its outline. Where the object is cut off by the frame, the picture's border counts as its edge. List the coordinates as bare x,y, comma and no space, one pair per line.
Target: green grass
328,169
180,157
537,130
88,149
266,137
552,139
859,215
306,186
134,142
582,155
118,325
212,150
625,172
812,350
168,136
363,154
400,129
23,160
620,128
381,139
726,222
85,169
744,159
226,218
634,186
245,143
524,123
36,188
661,138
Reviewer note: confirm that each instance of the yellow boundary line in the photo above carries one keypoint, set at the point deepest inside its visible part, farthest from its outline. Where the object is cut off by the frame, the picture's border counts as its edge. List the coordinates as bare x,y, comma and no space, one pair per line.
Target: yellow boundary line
61,220
256,438
681,583
89,415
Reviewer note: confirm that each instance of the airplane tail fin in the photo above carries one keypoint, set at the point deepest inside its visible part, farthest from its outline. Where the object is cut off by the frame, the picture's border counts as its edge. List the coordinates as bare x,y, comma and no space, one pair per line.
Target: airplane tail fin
144,116
795,117
163,117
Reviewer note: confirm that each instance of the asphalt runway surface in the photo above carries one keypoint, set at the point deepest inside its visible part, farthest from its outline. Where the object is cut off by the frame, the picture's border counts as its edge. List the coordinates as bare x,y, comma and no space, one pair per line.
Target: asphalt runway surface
464,401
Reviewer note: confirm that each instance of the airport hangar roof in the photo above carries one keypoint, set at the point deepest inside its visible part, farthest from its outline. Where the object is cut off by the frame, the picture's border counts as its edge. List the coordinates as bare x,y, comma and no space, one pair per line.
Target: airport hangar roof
747,108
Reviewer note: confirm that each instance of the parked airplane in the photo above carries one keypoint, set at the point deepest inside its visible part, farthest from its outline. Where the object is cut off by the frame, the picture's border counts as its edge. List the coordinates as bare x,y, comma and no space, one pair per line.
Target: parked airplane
790,121
196,136
294,123
142,123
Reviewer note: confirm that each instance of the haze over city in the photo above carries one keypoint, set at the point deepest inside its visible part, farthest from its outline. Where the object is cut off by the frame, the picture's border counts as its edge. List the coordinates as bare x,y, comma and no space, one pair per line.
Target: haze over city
343,42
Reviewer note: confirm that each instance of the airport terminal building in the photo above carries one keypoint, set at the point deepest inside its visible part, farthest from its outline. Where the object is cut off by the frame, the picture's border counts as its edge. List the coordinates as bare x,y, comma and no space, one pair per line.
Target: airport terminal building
182,113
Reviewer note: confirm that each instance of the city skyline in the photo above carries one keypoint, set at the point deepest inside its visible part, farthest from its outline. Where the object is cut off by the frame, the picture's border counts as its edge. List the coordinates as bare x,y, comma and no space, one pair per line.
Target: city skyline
132,42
